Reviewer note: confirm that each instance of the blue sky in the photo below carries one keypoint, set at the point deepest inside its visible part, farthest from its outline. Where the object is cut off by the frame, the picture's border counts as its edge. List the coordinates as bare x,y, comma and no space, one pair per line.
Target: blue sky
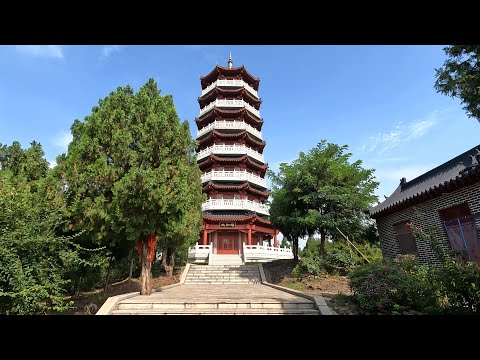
379,100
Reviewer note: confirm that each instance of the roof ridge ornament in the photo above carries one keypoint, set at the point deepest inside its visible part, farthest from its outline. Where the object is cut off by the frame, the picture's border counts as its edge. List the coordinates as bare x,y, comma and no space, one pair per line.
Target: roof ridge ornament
230,63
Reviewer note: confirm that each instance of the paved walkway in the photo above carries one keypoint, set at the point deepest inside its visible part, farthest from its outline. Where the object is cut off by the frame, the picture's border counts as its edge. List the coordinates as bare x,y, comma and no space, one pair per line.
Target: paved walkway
256,293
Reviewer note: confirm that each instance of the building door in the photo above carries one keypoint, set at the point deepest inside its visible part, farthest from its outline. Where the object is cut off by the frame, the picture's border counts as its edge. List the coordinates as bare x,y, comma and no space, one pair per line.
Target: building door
227,245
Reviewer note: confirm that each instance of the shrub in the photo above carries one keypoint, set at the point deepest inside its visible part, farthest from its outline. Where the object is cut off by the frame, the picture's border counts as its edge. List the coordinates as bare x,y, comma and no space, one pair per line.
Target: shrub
460,286
308,265
339,258
371,251
394,285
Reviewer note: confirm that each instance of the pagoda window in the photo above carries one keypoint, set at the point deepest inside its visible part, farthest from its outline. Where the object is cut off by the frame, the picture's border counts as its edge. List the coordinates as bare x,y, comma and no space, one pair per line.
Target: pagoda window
228,196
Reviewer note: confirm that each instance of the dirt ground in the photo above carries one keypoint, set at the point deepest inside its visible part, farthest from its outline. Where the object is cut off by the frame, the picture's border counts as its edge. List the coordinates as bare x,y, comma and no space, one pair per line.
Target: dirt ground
88,303
333,288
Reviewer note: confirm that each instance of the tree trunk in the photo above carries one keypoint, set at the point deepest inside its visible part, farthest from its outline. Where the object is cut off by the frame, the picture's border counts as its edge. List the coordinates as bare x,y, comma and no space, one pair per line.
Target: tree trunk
146,288
321,249
108,274
165,263
145,248
295,248
131,267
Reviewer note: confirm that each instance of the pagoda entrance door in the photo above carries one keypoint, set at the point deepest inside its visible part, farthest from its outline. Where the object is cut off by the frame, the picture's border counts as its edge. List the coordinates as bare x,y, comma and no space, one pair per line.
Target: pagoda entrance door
227,245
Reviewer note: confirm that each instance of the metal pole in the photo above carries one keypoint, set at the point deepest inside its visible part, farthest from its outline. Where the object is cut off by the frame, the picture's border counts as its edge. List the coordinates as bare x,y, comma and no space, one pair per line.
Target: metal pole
463,238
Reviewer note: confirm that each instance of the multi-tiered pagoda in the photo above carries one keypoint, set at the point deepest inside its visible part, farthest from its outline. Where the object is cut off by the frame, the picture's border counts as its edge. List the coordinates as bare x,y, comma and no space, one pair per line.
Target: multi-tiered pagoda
230,155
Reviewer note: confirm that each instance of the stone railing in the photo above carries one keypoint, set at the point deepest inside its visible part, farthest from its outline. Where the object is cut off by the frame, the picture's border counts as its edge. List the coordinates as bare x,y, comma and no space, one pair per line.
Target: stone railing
265,253
234,204
234,103
199,253
230,150
228,83
224,124
235,175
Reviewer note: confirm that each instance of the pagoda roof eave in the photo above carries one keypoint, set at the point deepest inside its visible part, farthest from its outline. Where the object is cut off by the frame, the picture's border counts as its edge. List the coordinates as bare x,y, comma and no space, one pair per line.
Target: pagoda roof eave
233,71
226,92
218,111
242,134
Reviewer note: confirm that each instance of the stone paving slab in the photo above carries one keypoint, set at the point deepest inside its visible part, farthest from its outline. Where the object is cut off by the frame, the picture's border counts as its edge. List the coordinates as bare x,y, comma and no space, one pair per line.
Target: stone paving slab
219,312
190,293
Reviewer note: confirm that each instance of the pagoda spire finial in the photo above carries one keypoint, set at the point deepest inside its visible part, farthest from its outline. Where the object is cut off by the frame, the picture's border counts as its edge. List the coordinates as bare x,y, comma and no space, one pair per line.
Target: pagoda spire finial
230,63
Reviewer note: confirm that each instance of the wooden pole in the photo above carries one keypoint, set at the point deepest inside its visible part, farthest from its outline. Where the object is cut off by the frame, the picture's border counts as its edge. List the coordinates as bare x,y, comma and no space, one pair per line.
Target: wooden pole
346,237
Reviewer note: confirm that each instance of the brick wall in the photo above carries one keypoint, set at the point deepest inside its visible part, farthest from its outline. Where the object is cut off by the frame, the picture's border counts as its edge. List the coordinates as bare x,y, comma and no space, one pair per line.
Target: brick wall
426,215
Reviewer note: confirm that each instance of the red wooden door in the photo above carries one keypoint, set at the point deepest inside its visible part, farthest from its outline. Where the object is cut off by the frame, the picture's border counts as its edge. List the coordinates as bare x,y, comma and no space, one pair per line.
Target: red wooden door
227,246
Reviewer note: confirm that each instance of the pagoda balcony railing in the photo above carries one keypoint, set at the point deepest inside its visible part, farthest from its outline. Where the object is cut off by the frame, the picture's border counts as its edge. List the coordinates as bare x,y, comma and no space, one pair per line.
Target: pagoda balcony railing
230,103
228,83
223,124
235,204
235,175
230,150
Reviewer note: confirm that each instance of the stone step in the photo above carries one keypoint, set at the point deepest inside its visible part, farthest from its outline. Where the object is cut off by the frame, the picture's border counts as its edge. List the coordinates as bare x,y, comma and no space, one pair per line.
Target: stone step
220,275
219,312
214,305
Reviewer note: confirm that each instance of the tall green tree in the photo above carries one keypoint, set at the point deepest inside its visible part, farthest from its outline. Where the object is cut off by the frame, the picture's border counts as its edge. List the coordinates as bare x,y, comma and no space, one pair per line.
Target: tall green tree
323,190
130,172
29,163
286,212
33,258
460,77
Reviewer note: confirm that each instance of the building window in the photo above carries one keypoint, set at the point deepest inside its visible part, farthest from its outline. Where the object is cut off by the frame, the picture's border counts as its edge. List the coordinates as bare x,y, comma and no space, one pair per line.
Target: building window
462,231
455,212
406,240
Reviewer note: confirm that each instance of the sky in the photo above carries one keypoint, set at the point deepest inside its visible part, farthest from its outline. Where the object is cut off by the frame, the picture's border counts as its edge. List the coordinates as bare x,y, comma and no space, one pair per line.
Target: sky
379,100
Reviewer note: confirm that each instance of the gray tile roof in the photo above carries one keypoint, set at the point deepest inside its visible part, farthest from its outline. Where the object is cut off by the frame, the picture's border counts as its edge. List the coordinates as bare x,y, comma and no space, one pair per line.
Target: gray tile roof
461,166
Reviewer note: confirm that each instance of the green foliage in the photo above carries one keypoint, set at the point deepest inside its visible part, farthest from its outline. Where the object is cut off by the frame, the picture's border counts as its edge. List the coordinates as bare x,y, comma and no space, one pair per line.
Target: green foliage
34,260
285,243
393,285
371,251
460,285
130,171
339,258
460,77
320,191
458,281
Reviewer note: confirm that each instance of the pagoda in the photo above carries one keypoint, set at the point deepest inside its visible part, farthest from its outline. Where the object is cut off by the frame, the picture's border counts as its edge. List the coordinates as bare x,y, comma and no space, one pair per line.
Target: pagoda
230,155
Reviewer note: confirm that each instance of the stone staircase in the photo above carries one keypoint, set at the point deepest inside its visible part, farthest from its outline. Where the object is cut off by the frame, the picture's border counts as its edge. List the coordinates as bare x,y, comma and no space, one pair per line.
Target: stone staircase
223,274
218,290
233,259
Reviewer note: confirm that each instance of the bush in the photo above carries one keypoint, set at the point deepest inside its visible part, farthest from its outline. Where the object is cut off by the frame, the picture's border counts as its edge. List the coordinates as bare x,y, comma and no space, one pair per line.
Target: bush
308,265
394,285
339,258
371,251
460,286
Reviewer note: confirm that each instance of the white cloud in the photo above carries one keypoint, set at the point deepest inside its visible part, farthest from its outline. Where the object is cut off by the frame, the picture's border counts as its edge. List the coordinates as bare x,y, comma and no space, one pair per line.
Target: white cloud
402,133
109,50
47,51
62,140
52,163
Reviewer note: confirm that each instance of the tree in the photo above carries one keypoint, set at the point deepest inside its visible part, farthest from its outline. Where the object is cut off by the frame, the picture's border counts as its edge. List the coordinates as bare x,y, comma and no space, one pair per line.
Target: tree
285,243
460,77
130,173
34,260
29,163
322,190
285,209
